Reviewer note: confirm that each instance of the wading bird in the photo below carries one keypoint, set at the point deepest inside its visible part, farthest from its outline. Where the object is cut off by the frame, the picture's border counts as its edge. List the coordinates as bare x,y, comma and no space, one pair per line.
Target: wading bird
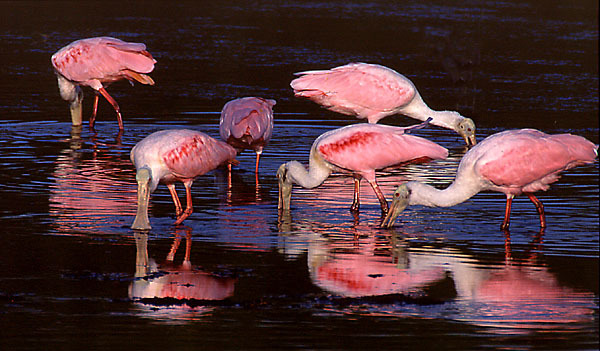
511,162
174,155
358,149
97,62
247,123
372,92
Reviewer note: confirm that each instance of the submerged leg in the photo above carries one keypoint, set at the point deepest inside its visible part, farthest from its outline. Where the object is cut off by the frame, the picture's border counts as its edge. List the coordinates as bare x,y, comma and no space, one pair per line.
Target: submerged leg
356,201
540,209
382,201
94,110
188,209
257,159
506,222
175,199
114,105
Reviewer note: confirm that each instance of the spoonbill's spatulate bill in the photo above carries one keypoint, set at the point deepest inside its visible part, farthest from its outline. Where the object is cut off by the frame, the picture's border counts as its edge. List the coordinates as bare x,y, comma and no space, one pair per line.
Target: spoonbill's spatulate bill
172,155
358,149
372,92
511,162
97,62
247,123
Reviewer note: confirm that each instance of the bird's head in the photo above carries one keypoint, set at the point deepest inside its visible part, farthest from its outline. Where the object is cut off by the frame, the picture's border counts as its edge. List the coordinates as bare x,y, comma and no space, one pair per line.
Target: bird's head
285,188
466,129
400,201
144,181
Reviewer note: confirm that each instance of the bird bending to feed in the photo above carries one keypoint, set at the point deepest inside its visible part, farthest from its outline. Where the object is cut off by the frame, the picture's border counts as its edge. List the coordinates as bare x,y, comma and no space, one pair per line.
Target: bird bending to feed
247,123
174,155
511,162
358,149
97,62
372,92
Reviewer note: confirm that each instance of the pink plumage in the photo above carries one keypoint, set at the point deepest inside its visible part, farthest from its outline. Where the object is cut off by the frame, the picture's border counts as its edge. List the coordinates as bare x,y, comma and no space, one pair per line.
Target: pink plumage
372,92
511,162
174,155
247,123
97,62
360,150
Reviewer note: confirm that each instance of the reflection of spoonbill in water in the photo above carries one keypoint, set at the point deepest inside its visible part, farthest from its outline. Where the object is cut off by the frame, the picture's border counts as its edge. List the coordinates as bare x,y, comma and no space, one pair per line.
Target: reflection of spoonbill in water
511,162
174,155
170,281
358,149
97,62
373,92
247,123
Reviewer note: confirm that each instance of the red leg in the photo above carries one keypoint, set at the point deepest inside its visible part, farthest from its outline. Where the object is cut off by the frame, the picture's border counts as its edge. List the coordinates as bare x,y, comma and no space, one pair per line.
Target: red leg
356,201
382,201
506,222
257,159
174,247
188,209
175,199
540,209
94,110
114,104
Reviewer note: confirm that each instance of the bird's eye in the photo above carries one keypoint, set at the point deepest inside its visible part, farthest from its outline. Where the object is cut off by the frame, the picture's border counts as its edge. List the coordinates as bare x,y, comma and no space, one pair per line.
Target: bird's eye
396,195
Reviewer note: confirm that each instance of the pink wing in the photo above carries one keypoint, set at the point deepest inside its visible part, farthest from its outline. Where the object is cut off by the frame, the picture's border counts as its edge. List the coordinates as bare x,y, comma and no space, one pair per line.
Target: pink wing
247,115
365,148
355,89
195,154
102,58
529,160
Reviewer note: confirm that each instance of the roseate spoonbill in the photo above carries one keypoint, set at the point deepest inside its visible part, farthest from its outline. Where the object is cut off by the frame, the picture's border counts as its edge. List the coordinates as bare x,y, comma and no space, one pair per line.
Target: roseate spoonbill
247,123
359,149
372,92
174,155
511,162
97,62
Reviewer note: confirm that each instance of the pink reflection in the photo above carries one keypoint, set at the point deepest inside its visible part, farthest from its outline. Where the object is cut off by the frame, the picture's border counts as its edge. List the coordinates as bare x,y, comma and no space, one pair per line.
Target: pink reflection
181,282
515,296
91,190
356,269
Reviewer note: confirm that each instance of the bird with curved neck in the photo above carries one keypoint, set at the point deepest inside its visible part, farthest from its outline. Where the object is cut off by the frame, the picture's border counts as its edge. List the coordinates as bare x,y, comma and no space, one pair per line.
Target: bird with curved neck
512,162
97,62
359,150
174,155
372,92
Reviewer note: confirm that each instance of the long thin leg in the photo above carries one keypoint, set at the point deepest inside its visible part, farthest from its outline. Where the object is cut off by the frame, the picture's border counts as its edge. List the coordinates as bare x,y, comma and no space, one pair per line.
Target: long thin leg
114,105
356,202
189,208
257,159
382,201
506,222
539,207
174,247
94,110
175,199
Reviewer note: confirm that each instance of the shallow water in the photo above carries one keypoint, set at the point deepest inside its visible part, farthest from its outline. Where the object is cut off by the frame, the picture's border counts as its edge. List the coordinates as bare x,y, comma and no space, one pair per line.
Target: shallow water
73,275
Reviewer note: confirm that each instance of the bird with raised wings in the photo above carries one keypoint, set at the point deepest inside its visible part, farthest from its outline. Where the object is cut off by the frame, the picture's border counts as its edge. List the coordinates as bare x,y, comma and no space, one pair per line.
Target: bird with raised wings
512,162
372,92
97,62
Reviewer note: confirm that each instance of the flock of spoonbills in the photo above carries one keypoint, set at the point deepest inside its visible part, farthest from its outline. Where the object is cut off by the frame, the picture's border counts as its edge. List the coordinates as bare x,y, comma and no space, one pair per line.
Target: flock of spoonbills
512,162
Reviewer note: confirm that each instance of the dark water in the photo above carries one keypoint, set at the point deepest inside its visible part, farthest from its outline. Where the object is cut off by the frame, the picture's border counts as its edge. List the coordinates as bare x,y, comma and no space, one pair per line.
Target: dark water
74,276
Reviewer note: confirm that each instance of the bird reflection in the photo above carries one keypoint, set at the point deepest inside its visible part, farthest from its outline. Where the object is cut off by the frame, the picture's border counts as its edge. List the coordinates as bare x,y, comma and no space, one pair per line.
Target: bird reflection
92,189
174,292
516,294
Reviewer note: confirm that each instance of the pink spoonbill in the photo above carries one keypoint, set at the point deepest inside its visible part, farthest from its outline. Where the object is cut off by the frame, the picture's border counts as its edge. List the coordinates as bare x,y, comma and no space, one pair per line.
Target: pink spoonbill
358,149
174,155
247,123
511,162
372,92
97,62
